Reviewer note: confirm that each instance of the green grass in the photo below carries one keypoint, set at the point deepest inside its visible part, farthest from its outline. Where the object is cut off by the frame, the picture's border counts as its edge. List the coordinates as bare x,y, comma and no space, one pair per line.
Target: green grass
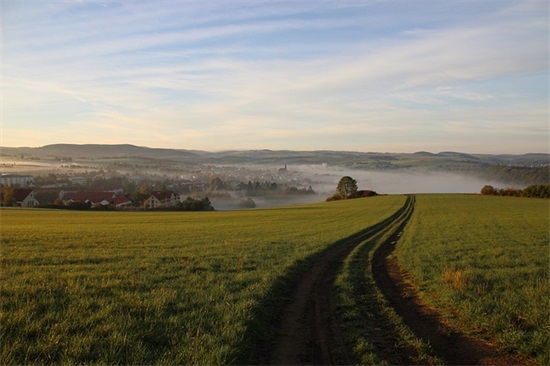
485,261
154,287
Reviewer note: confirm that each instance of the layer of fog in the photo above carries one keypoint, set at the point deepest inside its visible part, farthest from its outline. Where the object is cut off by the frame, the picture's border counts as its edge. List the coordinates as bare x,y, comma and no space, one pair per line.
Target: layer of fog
325,179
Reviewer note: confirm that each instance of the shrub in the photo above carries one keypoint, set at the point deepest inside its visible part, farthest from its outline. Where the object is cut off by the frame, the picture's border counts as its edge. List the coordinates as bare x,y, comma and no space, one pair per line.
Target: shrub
537,191
335,197
364,193
488,190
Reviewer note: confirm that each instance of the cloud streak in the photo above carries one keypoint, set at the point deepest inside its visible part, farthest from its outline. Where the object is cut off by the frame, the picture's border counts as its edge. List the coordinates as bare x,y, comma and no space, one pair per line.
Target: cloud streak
225,75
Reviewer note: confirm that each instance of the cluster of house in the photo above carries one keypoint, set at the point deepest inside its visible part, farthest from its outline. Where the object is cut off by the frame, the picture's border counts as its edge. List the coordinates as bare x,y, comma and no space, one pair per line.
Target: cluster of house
27,197
95,198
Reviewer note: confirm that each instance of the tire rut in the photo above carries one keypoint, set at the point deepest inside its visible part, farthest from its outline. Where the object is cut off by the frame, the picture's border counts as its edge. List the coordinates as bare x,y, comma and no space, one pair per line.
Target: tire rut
309,333
305,335
450,345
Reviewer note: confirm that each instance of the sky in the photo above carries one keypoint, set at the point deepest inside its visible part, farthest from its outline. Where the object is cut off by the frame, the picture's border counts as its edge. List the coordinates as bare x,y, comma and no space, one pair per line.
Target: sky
372,75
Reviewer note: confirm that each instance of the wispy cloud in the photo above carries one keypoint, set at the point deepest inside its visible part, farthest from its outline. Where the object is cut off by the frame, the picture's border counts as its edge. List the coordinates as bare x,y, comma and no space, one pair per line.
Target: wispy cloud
460,94
220,75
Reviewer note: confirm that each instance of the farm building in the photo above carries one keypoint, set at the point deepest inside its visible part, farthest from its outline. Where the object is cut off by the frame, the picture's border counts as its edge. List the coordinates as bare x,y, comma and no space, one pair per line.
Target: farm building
163,199
47,196
121,201
24,197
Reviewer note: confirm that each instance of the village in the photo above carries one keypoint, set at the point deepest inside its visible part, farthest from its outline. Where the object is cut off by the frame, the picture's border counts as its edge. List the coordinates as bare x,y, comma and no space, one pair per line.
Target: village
230,187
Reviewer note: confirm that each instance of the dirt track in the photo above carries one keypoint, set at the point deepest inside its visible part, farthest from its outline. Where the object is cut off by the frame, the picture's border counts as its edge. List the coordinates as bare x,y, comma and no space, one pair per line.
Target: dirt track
305,336
309,332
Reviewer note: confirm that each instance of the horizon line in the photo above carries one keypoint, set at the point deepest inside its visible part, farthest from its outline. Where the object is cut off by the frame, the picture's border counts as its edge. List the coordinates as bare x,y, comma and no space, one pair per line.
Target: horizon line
272,149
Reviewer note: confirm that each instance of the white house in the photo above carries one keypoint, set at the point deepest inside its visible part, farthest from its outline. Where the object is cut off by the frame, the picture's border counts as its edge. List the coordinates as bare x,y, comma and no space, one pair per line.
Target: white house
24,197
163,199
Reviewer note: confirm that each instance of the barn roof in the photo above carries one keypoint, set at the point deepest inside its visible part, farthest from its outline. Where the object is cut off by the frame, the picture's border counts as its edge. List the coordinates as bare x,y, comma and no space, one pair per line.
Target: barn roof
21,193
93,197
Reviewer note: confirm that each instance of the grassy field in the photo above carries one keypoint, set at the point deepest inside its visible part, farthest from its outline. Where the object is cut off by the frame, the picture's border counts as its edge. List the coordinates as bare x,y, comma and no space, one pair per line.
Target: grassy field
485,260
154,287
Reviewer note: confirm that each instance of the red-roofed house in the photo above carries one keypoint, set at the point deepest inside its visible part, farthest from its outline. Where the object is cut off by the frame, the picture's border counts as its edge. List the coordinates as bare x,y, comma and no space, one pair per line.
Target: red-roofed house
121,201
24,197
163,199
93,198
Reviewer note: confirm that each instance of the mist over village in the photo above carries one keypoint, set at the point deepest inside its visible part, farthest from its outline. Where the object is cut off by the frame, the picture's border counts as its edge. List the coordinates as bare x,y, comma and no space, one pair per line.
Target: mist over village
110,177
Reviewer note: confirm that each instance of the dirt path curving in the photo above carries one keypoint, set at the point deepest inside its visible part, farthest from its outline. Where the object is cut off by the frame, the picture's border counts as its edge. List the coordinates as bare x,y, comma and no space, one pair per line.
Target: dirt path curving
309,332
453,347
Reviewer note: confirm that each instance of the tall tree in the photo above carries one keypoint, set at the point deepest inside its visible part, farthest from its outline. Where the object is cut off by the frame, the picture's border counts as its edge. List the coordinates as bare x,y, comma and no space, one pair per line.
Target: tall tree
347,186
145,189
8,196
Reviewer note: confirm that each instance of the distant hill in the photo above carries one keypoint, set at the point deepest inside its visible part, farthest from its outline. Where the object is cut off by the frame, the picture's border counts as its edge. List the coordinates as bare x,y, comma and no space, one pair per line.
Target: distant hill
447,160
423,153
98,151
458,155
531,159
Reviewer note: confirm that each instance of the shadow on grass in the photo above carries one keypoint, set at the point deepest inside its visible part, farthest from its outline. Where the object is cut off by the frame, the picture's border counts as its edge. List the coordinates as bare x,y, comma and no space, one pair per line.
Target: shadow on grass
260,338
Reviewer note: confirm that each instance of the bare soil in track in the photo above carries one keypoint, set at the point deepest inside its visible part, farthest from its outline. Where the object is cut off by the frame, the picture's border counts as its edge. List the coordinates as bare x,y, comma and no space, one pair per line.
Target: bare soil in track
309,332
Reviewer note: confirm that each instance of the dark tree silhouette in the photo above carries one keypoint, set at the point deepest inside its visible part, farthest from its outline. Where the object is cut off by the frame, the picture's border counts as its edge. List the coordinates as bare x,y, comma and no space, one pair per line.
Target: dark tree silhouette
347,187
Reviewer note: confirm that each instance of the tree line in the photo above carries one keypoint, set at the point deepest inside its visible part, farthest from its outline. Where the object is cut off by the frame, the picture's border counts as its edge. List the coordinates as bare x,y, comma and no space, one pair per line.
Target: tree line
533,191
189,204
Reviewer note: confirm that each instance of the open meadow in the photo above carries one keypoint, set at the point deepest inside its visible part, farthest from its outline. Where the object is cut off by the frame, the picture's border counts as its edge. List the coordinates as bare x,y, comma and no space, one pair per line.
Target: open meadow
155,287
484,261
147,287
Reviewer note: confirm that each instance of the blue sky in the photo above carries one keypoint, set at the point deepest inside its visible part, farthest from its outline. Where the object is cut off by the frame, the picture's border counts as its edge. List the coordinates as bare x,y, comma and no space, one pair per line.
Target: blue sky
388,76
